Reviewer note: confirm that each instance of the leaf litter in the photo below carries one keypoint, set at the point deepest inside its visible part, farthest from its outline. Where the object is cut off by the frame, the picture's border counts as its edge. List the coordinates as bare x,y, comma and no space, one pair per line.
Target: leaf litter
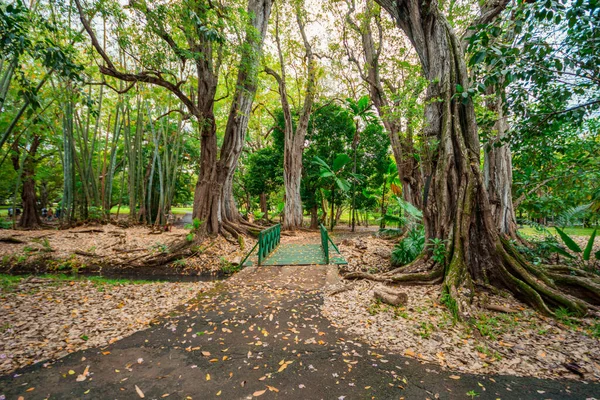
45,319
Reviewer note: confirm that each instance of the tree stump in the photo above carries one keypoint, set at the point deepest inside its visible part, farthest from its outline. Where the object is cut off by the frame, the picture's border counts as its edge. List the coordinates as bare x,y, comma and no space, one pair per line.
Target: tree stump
390,296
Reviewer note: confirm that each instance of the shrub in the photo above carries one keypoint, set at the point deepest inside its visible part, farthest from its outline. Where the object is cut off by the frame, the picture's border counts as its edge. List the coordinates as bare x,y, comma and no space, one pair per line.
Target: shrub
410,247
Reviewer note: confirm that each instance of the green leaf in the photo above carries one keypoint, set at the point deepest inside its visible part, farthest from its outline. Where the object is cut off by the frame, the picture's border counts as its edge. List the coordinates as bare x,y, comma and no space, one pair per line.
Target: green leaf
363,103
561,251
598,255
340,161
343,184
325,173
568,241
318,160
590,245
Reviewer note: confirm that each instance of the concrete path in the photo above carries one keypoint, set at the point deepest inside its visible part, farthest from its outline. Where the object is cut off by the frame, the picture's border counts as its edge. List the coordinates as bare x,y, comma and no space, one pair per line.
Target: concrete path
261,335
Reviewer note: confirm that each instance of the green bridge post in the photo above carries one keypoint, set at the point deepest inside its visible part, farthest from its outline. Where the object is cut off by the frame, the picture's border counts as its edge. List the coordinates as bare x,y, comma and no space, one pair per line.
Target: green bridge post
325,243
268,239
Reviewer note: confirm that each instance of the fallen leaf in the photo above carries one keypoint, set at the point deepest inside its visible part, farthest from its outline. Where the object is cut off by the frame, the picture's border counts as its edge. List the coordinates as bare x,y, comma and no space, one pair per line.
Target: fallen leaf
139,392
259,393
208,377
456,377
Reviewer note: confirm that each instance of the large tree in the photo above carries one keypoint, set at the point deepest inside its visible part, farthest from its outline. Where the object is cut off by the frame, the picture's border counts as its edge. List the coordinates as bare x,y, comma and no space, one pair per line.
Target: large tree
294,133
194,32
456,204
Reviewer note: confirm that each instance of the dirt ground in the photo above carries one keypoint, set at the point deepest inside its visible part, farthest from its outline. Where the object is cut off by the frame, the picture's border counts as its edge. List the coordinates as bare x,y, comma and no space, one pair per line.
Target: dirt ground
522,343
42,318
110,249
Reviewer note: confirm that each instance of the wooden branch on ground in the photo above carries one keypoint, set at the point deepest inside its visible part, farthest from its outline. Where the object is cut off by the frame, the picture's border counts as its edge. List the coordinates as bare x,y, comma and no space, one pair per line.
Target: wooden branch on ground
12,240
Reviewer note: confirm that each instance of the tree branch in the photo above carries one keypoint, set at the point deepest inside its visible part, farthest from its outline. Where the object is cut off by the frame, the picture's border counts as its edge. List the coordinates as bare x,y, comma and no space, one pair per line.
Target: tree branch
111,70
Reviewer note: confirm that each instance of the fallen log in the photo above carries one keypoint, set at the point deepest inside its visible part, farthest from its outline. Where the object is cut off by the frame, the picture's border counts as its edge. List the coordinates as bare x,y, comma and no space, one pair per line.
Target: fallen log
389,296
12,240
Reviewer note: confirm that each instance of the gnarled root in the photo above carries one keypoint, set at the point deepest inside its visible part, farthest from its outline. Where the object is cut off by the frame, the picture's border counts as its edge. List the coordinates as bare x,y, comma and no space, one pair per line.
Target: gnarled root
544,288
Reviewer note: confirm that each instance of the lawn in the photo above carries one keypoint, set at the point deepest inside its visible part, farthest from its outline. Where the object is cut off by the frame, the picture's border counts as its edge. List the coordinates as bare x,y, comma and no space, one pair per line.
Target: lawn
176,210
575,231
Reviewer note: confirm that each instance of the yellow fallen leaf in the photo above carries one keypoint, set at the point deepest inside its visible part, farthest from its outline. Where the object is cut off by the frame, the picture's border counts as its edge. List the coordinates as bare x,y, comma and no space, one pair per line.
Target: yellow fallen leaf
105,353
139,392
225,358
165,395
259,393
284,366
31,389
71,372
455,377
409,352
206,353
273,389
219,393
208,377
262,378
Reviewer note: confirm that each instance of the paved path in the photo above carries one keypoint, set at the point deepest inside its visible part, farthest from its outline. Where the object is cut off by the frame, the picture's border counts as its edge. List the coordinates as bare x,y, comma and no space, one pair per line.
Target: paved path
261,335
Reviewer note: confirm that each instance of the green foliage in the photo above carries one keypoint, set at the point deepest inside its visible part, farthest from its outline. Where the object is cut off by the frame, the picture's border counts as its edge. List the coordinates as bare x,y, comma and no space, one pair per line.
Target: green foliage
438,250
410,247
159,248
425,329
565,316
228,268
582,257
194,227
450,303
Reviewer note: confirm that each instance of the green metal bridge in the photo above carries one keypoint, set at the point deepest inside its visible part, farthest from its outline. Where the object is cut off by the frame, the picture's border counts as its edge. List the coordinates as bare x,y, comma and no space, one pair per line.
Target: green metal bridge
272,252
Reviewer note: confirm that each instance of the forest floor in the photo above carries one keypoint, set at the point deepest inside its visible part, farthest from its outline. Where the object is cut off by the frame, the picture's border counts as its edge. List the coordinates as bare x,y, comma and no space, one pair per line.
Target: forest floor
111,250
261,334
275,331
522,342
49,317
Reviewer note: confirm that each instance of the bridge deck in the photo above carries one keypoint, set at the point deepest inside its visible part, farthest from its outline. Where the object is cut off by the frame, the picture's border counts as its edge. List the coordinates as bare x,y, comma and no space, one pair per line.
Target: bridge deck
300,254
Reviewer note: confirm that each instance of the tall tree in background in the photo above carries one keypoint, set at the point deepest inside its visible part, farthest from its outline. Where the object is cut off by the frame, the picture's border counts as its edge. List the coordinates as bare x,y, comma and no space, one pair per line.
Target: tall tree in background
241,107
197,36
456,207
295,134
397,120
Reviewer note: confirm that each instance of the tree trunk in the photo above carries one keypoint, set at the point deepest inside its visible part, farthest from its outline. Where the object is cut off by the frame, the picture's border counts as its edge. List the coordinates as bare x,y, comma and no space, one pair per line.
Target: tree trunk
456,208
314,217
497,168
403,147
30,217
214,192
263,206
294,139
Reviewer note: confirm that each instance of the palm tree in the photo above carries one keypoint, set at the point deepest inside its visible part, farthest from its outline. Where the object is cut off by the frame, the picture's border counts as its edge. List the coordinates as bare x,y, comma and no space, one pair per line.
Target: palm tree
363,115
334,174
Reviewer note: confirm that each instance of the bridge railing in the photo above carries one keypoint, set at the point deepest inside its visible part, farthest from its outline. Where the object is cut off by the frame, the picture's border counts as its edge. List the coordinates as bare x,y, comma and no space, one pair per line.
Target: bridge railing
325,243
325,240
268,239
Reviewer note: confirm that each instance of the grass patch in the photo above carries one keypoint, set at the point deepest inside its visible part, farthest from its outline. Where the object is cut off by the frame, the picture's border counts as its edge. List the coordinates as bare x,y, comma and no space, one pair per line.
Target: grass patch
9,282
575,231
124,210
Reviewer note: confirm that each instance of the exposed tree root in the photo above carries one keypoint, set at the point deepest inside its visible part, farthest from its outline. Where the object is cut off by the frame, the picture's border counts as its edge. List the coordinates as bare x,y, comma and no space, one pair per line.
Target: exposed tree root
544,288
